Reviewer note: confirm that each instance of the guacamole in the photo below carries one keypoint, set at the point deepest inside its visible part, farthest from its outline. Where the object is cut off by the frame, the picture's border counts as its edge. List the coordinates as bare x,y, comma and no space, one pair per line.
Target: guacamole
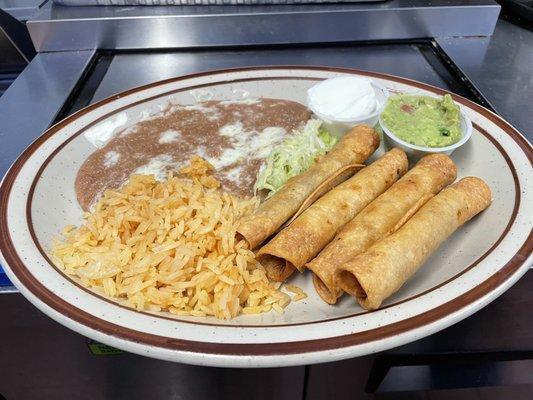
423,120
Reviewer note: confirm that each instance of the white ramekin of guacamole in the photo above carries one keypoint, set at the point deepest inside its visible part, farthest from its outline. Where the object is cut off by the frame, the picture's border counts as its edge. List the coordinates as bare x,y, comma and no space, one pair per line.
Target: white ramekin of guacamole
424,124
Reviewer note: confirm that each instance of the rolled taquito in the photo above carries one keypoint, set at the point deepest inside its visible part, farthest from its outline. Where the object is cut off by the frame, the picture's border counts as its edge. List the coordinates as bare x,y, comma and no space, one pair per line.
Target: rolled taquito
379,219
353,148
380,271
303,239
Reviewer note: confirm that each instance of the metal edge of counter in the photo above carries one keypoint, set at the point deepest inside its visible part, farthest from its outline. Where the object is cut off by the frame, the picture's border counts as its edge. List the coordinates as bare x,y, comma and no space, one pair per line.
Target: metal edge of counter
79,28
40,91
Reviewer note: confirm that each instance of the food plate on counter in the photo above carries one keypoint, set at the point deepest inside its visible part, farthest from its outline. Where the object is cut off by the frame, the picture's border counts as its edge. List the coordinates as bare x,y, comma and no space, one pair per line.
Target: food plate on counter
261,217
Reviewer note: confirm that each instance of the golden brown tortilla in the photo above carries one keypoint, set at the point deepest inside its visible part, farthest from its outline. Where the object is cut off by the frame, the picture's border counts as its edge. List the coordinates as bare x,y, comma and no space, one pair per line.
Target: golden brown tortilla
381,270
380,218
317,226
354,148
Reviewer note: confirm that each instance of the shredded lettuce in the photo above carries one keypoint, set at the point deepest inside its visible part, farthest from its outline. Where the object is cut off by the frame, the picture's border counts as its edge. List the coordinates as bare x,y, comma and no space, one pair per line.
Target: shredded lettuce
327,138
294,156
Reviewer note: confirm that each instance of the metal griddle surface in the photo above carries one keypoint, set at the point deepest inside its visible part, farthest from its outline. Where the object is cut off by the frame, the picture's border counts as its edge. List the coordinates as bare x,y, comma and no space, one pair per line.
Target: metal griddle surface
116,72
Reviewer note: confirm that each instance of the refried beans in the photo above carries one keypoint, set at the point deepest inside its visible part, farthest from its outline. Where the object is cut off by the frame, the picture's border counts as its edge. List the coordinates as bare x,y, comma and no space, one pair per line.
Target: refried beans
234,136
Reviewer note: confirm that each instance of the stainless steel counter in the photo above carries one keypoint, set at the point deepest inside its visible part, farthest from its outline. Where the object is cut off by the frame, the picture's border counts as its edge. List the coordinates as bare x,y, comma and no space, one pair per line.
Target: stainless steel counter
22,9
57,28
129,70
501,67
31,103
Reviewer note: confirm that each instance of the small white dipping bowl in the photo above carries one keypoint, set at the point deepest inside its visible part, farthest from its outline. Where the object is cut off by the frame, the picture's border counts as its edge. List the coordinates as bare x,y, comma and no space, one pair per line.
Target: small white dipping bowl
415,152
339,126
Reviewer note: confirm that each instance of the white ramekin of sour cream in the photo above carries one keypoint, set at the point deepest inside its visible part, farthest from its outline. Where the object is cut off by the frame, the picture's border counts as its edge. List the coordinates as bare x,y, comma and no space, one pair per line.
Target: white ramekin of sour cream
347,101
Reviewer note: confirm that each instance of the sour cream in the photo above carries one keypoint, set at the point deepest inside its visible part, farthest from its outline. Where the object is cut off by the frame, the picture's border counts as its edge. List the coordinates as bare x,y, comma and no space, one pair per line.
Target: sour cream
343,98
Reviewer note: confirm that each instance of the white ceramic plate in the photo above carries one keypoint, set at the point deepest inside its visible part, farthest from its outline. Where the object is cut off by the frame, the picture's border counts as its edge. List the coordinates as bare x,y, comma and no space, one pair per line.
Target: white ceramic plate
477,264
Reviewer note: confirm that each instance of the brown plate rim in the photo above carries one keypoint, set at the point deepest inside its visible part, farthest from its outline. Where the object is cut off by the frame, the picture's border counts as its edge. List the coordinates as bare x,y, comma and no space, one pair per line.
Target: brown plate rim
79,316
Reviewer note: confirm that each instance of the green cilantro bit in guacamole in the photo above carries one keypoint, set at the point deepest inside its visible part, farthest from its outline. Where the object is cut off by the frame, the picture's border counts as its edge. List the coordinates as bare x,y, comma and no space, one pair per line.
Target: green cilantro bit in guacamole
423,120
294,156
